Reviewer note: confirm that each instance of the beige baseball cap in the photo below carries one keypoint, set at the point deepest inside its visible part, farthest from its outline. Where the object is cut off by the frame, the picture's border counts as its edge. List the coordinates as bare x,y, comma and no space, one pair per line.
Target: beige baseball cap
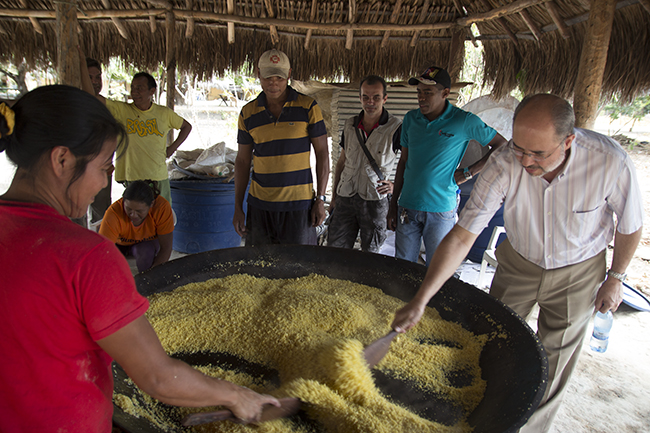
274,63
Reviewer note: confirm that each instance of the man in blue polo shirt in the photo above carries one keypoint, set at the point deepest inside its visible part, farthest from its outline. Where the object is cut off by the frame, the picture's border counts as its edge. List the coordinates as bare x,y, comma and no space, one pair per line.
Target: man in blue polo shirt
434,140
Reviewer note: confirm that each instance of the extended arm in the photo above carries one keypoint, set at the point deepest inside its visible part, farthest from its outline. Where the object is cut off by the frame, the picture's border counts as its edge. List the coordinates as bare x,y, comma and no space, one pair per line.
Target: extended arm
185,130
496,142
242,173
450,254
322,176
340,164
137,349
610,294
86,84
165,249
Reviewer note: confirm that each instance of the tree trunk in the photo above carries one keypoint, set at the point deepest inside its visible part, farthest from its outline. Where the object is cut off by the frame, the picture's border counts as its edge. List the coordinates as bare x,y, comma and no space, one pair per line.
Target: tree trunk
593,60
67,42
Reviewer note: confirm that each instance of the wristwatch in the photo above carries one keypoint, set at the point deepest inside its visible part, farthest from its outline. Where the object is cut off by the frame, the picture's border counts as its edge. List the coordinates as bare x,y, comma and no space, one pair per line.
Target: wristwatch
467,173
617,275
321,198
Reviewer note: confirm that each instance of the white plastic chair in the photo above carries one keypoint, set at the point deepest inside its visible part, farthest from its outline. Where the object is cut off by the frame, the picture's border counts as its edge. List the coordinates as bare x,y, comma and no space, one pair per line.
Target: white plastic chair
488,255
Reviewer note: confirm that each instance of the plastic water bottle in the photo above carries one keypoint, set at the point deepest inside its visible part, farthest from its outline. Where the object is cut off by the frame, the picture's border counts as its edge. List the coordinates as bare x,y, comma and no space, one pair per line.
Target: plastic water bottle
602,326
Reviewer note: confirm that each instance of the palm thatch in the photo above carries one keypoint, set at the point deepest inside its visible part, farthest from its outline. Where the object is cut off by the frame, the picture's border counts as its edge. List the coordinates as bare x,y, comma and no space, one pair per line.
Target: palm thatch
525,44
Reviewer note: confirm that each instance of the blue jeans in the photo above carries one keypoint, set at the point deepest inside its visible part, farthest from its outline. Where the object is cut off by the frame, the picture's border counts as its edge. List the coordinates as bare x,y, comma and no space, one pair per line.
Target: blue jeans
430,226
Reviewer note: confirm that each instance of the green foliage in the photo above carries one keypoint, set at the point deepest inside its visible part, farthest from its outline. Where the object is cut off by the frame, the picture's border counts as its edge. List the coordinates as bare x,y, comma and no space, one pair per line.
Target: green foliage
637,109
472,72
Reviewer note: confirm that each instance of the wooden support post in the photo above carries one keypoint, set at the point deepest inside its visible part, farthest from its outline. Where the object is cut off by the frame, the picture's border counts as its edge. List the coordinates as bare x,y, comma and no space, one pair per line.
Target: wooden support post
593,60
531,24
456,53
67,41
554,11
170,63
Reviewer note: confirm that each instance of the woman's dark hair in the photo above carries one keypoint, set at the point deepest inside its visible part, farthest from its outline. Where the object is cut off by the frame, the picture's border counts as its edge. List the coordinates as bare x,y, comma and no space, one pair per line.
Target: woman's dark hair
52,116
143,191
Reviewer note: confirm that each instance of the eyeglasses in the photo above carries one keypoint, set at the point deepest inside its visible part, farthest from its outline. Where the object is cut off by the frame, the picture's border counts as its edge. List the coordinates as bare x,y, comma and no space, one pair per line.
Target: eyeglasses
537,157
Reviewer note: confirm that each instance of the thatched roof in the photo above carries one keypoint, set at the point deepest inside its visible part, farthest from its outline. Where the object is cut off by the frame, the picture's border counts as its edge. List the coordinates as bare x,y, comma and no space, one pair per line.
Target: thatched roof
536,42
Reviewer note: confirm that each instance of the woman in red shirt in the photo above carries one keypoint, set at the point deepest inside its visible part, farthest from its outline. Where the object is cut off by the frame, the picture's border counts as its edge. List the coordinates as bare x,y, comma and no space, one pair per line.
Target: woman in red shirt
68,302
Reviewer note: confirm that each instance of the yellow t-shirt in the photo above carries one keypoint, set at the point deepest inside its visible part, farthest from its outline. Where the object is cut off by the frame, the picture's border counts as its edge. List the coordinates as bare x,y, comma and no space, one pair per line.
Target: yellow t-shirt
117,227
146,154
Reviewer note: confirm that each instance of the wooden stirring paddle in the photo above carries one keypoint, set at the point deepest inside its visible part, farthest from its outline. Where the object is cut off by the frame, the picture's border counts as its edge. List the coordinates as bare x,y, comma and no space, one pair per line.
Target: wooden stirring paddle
373,353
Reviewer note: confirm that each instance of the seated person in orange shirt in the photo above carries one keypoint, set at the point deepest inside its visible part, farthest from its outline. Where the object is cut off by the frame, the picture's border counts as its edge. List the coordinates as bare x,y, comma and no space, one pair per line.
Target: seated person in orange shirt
141,224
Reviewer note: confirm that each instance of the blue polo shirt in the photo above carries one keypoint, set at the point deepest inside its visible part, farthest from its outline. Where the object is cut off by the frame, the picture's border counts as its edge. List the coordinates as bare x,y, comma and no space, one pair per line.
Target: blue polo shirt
435,149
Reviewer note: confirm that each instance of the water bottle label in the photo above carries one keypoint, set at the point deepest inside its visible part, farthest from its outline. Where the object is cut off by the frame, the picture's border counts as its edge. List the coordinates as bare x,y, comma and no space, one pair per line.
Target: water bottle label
600,336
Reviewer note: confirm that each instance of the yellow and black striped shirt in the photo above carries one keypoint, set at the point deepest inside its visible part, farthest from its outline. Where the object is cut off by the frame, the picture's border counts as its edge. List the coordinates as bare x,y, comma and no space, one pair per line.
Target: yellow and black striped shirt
282,179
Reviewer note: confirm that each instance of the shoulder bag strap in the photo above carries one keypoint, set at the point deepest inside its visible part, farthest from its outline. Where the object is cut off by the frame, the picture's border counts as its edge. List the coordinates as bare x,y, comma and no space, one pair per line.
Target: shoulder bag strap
373,163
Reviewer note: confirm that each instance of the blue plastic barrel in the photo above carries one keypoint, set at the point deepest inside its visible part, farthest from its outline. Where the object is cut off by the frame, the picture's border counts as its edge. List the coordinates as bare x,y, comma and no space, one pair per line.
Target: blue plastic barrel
481,243
204,209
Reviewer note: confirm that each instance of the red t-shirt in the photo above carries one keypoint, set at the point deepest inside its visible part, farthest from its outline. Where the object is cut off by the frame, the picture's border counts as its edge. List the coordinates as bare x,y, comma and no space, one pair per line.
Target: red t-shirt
63,288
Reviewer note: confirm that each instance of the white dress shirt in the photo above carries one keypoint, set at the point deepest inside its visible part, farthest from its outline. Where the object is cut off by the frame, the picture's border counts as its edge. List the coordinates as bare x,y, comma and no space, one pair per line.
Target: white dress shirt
568,220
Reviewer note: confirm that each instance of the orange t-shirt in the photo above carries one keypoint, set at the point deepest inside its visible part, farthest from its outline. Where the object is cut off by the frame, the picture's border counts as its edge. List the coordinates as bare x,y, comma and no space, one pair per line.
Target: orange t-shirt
117,227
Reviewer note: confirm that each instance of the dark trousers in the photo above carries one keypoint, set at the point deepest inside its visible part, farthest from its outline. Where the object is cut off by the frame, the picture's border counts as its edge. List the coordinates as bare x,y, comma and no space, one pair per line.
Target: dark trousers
266,227
353,215
144,253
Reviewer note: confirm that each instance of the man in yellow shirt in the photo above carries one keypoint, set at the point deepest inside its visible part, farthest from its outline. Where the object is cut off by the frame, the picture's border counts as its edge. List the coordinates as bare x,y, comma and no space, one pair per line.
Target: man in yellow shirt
147,125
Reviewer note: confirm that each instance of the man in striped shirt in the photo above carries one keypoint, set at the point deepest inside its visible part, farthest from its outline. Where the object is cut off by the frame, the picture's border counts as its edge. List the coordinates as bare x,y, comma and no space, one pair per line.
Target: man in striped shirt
276,133
560,187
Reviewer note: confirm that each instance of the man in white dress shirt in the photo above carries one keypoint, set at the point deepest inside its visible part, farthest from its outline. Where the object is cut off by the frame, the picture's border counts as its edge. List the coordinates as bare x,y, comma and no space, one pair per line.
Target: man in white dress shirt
560,187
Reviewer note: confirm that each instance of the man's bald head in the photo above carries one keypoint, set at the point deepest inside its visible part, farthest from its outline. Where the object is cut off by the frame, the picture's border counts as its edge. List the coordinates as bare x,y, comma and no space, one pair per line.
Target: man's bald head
546,107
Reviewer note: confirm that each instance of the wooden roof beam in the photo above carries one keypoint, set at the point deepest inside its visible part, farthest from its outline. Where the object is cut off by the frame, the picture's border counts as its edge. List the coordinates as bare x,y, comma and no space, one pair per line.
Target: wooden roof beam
272,28
211,16
121,28
152,23
393,19
231,25
496,13
160,3
531,24
423,14
37,26
554,11
463,13
352,15
189,29
312,17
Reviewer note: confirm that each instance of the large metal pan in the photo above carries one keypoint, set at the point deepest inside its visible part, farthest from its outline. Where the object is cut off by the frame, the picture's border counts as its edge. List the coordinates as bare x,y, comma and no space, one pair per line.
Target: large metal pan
515,368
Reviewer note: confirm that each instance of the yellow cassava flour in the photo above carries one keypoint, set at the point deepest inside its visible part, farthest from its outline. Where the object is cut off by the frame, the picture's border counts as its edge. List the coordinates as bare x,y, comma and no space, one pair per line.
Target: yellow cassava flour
312,330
